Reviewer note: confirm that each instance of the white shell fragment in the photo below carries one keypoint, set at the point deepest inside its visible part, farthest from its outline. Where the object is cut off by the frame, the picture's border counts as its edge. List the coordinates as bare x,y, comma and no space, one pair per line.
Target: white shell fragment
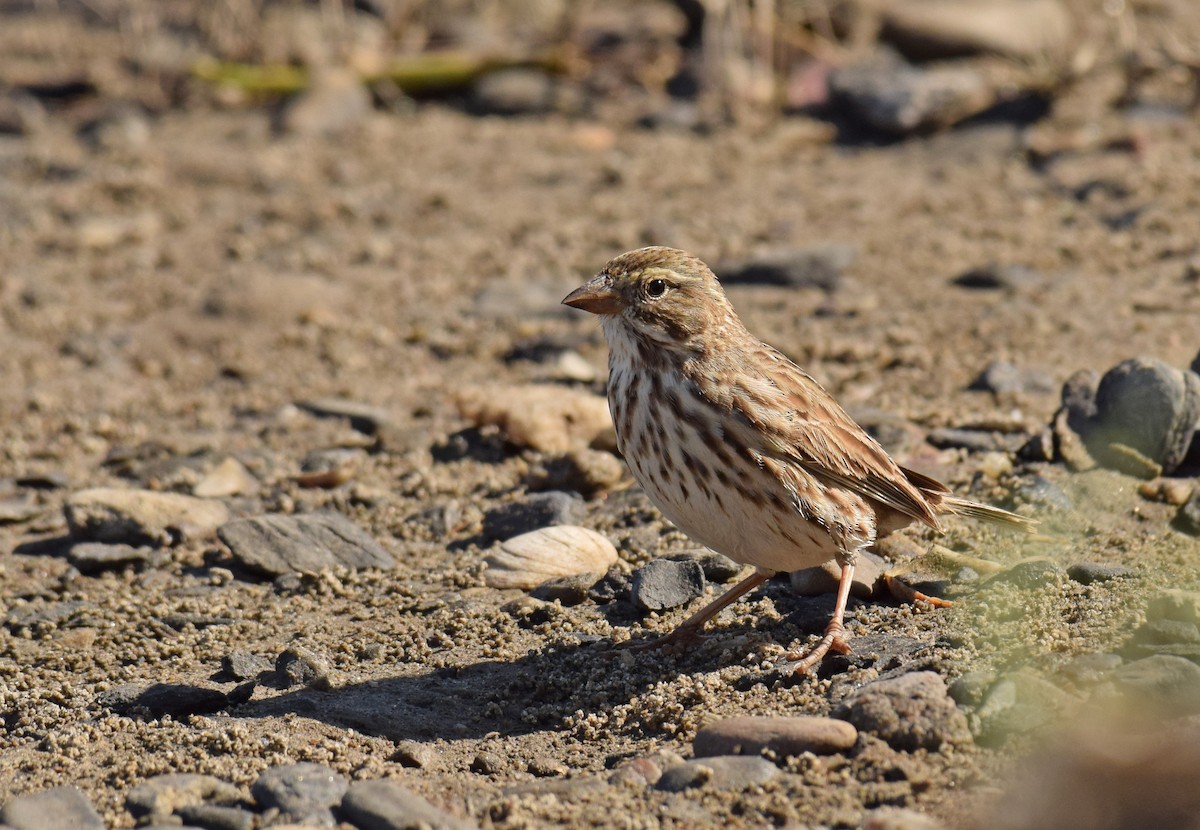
528,560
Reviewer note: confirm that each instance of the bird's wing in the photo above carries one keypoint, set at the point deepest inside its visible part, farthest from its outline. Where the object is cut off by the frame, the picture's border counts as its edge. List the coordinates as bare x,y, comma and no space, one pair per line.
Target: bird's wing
815,433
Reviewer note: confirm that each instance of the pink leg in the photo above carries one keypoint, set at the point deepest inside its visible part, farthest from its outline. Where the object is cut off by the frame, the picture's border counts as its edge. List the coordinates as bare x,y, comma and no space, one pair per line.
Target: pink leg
688,631
832,641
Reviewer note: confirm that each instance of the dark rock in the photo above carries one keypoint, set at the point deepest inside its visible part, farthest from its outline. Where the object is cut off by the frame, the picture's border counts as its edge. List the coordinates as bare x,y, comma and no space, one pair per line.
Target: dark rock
909,712
716,566
141,517
1021,29
60,808
1039,447
661,584
882,652
242,665
1087,573
94,557
44,481
297,665
996,276
816,267
1003,378
303,793
901,99
616,584
157,699
530,513
215,817
162,796
781,735
1079,398
384,805
362,417
40,615
722,772
275,544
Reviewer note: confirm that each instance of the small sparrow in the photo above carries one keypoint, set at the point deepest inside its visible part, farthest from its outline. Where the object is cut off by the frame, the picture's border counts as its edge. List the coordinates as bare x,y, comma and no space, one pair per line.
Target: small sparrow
737,446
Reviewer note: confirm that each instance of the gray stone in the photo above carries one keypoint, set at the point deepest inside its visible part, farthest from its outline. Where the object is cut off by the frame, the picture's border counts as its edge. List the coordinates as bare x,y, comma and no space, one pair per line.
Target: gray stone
531,513
716,566
721,772
276,544
16,509
298,665
242,665
1030,574
385,805
824,578
487,763
94,557
903,99
1163,683
216,817
973,440
60,808
178,700
303,793
1088,573
164,795
141,517
661,584
782,735
933,29
820,266
1003,378
912,711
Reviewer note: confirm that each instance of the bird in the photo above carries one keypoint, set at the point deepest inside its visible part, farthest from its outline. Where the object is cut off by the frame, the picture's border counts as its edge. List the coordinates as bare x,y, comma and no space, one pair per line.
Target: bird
740,448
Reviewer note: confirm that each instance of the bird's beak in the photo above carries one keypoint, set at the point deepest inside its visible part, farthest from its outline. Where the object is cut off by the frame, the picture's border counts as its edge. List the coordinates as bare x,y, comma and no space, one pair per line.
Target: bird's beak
596,295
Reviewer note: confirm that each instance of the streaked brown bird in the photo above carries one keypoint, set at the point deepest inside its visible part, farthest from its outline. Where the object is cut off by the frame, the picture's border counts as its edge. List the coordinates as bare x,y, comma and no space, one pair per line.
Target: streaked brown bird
737,446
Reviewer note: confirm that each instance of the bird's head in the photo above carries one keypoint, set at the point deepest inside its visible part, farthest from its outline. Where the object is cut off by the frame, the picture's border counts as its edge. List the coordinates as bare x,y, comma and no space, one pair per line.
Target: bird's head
661,294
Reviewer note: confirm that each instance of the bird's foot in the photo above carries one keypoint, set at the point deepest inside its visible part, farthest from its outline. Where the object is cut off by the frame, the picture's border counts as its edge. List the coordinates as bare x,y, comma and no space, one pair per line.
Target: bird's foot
799,662
678,640
906,593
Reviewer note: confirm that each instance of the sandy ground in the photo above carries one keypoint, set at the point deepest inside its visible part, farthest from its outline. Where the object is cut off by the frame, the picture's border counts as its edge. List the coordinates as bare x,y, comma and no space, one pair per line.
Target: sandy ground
174,284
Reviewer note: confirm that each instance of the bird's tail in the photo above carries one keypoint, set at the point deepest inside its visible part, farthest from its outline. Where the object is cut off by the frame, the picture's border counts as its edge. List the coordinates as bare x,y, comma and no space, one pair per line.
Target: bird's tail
987,513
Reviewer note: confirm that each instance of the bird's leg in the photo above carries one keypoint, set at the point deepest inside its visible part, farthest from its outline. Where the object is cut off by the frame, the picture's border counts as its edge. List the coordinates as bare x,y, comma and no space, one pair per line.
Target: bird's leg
688,631
832,641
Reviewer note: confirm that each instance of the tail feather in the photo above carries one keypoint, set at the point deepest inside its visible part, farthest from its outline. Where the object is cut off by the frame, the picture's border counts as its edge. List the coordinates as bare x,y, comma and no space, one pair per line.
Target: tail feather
987,513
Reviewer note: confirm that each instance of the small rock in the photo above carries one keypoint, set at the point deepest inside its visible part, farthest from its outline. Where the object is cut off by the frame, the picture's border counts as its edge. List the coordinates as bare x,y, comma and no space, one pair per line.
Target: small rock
567,590
782,735
275,544
214,817
968,689
824,578
1021,703
303,793
329,468
178,700
816,267
415,755
1174,491
903,99
570,365
640,772
912,711
1030,574
1039,491
94,557
531,513
545,767
1188,517
585,471
335,102
716,566
1089,669
242,665
140,517
487,763
722,772
551,419
1087,573
1000,276
1162,683
385,805
661,584
932,29
59,808
1039,447
515,91
297,665
229,478
362,417
163,795
1003,378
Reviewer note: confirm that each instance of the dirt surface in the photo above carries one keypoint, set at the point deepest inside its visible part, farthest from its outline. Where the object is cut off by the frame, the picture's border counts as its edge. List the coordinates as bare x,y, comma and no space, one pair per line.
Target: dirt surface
176,283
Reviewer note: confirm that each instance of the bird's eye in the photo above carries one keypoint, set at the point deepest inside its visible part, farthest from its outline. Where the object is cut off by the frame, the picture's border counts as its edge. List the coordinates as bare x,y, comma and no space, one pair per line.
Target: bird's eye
656,288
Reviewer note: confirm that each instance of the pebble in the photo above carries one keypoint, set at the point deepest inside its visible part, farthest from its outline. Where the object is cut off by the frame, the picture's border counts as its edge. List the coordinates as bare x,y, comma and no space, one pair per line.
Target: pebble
362,417
16,509
329,468
242,665
721,772
550,419
909,712
59,808
1165,684
1003,378
933,29
968,689
298,665
178,700
716,566
639,772
544,766
783,736
1020,703
585,471
415,755
1188,517
567,590
1008,276
1030,574
824,578
274,544
229,478
813,267
531,513
158,798
661,584
1088,573
385,805
1089,669
94,557
215,817
303,792
141,517
1174,491
902,99
516,91
1039,491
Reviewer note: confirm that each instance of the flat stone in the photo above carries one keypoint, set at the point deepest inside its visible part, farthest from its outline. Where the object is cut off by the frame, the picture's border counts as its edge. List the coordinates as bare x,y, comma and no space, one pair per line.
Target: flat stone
717,567
362,417
297,665
163,795
59,808
275,544
749,735
824,578
94,557
242,665
303,793
912,711
385,805
813,267
721,772
567,590
216,817
902,99
157,699
1030,574
582,470
550,419
1040,492
17,509
1089,573
531,513
661,584
141,517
